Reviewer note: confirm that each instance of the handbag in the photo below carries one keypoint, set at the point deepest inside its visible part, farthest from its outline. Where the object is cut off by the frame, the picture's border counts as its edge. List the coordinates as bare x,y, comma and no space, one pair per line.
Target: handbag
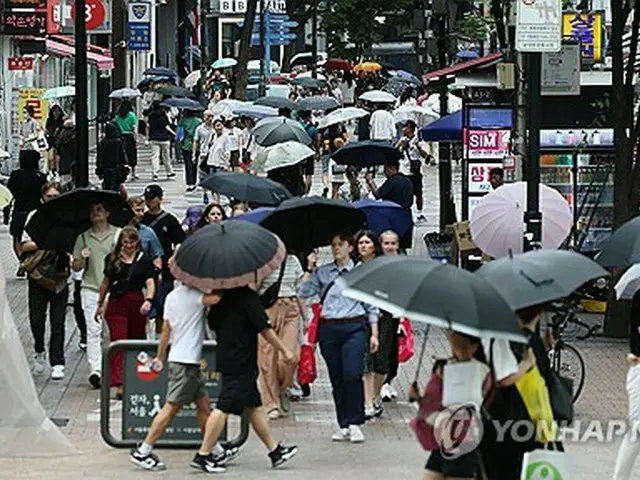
560,396
406,341
271,294
546,464
312,329
307,372
430,402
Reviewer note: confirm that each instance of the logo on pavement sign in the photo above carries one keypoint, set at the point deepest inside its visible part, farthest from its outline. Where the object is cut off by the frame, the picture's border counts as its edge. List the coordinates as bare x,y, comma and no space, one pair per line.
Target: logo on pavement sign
144,369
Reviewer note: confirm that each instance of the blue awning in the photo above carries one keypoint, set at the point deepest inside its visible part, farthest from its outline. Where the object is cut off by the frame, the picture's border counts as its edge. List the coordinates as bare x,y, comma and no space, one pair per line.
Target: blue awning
445,129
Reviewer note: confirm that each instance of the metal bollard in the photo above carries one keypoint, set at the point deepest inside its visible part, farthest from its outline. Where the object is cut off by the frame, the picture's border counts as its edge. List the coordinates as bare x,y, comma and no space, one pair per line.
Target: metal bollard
142,346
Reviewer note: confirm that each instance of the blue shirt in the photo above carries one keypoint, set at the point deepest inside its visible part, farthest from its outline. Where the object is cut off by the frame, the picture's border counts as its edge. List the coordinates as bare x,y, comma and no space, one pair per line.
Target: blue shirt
335,305
149,242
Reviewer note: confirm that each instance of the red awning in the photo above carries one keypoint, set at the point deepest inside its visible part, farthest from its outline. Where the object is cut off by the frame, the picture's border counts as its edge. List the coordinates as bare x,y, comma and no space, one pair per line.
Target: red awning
461,67
103,62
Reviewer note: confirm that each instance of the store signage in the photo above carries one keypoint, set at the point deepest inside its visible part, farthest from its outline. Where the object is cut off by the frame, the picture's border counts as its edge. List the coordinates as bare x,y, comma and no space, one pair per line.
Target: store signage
62,16
483,144
585,28
20,63
539,25
478,176
577,138
32,97
561,71
490,117
139,30
10,4
23,22
240,6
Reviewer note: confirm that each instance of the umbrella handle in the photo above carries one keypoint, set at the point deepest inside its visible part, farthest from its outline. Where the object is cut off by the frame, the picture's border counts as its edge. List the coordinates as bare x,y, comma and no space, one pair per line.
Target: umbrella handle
421,357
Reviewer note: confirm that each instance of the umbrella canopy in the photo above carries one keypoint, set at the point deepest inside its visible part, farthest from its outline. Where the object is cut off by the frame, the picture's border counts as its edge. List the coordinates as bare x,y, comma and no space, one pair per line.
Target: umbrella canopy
143,86
174,91
278,130
497,221
338,64
629,283
367,67
405,76
310,222
246,187
445,129
366,153
377,96
282,155
227,255
58,222
433,293
622,248
225,108
59,92
125,93
181,102
255,111
433,103
192,79
256,215
342,115
317,102
540,276
160,72
276,102
383,215
224,63
307,82
421,116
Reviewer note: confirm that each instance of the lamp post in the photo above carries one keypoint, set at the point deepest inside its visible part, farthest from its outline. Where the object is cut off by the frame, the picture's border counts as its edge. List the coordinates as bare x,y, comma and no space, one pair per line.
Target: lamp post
82,118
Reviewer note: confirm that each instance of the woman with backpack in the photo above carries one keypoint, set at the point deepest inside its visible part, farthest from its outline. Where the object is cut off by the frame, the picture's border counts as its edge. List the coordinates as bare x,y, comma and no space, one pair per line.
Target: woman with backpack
111,164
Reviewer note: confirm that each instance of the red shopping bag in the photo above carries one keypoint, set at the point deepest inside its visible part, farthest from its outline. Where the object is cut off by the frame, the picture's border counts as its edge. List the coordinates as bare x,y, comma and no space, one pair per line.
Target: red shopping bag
307,372
312,329
406,342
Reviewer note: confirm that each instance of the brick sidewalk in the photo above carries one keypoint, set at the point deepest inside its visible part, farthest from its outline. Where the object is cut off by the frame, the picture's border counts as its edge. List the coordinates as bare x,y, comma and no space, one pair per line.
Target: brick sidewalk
390,448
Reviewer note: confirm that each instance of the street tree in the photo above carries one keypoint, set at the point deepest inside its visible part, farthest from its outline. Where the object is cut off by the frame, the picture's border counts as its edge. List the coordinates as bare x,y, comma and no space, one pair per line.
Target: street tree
242,76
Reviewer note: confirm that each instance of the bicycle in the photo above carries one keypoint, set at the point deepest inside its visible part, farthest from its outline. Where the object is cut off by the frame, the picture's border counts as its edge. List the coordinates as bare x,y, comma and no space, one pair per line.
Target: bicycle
566,359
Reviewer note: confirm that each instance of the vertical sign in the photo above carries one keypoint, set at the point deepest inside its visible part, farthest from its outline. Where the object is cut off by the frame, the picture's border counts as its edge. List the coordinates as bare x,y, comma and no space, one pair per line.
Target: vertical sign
31,96
139,32
585,28
539,26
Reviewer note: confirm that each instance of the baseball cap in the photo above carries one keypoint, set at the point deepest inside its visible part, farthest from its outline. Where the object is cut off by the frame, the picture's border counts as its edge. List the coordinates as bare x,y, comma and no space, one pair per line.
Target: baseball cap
153,191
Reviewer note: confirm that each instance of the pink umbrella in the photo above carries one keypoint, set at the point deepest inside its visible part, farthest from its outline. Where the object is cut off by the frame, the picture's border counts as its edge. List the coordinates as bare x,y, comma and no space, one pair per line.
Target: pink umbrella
497,223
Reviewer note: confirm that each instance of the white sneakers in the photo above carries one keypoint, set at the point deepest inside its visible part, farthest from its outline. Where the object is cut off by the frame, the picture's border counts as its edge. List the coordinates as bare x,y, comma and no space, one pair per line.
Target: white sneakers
57,372
388,393
39,363
352,434
273,414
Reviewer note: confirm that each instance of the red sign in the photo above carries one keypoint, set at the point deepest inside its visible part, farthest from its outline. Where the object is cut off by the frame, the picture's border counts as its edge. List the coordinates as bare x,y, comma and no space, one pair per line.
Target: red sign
24,23
63,14
94,14
20,63
481,144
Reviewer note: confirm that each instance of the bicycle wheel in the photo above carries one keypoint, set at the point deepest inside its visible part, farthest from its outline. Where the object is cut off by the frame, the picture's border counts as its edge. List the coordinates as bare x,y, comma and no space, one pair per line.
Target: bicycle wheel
567,361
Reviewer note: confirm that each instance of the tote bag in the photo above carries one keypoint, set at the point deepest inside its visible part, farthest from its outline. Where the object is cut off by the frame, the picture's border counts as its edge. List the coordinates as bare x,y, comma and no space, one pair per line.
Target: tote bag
546,465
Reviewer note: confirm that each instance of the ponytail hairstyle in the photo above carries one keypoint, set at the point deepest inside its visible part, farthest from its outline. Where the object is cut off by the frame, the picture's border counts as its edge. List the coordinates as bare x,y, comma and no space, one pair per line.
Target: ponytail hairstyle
115,263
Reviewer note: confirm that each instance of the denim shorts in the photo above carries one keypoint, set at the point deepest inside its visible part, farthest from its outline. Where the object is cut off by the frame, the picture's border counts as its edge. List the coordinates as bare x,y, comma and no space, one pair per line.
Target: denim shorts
325,163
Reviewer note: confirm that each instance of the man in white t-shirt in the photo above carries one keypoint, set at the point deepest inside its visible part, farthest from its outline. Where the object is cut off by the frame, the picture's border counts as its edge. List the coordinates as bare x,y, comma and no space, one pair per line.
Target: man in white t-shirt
382,125
184,315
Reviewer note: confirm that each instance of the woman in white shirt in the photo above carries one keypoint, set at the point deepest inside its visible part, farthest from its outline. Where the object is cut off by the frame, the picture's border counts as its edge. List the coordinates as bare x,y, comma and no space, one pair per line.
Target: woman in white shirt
219,149
235,144
348,87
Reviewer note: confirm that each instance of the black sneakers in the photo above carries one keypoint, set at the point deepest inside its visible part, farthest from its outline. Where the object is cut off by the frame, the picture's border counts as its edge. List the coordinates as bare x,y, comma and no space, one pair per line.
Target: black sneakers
148,462
229,454
207,463
282,454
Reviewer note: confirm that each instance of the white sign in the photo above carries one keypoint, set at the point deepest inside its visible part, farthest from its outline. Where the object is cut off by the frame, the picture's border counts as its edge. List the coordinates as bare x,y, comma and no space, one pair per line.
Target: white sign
478,179
240,6
539,26
561,71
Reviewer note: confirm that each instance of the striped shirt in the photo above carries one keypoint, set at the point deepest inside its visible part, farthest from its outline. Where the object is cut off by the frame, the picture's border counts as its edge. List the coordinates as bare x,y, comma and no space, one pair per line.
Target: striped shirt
292,274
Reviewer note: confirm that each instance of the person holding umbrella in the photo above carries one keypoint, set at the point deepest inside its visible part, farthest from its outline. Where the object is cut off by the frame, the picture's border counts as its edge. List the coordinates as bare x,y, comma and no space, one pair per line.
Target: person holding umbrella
312,131
343,336
127,122
214,213
411,162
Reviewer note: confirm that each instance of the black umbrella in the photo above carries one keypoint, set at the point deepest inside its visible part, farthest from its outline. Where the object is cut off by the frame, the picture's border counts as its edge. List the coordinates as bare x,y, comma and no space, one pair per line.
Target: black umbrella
227,255
317,102
276,102
622,248
246,187
143,86
173,91
309,222
366,153
160,71
308,82
184,103
272,131
434,293
58,222
541,276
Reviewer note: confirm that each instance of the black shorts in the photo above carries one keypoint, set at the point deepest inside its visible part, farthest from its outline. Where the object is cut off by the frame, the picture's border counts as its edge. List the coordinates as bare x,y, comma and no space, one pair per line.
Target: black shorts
238,393
18,221
416,181
465,466
310,165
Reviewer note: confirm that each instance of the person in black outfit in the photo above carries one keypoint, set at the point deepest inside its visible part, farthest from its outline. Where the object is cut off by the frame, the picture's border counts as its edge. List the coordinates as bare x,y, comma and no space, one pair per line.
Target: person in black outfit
290,177
25,184
398,189
54,124
238,320
66,147
112,159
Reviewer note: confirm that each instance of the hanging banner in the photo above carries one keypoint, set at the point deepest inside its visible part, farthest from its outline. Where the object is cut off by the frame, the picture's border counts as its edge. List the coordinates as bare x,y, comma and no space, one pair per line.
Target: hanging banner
585,28
31,96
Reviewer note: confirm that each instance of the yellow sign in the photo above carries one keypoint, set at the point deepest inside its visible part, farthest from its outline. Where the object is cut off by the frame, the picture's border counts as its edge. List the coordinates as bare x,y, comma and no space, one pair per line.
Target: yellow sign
31,96
585,28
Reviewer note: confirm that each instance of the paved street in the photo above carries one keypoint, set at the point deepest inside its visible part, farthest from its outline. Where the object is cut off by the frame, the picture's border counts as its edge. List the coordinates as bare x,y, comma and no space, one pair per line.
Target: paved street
389,451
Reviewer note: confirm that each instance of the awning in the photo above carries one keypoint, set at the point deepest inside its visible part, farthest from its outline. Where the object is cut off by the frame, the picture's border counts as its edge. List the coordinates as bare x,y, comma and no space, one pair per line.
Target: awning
461,67
103,62
445,129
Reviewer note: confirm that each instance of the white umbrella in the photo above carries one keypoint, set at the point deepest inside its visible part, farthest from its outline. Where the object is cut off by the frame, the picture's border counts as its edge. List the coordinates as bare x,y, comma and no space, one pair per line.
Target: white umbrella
629,283
255,65
378,96
224,108
59,92
192,79
433,103
497,222
342,115
125,93
281,155
422,116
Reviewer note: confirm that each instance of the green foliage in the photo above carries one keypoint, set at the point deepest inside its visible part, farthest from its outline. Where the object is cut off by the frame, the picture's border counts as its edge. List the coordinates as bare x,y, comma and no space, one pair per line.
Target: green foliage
475,26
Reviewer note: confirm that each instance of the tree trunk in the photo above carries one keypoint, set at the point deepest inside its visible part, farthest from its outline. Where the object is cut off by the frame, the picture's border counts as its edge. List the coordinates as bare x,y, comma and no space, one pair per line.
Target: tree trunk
242,76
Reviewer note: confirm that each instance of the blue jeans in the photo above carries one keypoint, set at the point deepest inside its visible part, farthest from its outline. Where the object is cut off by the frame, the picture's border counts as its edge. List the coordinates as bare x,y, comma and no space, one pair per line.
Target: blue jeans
343,347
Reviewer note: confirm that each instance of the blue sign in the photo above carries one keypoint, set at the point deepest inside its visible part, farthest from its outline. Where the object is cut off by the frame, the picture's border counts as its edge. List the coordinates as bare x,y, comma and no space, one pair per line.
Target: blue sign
139,36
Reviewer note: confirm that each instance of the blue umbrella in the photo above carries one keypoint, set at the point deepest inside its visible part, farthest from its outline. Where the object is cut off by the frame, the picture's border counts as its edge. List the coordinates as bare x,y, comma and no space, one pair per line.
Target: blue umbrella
256,215
181,102
445,129
160,71
224,63
255,111
143,86
366,153
406,76
384,215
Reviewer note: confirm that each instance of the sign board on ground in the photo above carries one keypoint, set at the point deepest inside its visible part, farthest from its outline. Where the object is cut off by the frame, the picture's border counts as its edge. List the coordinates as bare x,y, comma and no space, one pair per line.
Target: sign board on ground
561,71
145,392
539,26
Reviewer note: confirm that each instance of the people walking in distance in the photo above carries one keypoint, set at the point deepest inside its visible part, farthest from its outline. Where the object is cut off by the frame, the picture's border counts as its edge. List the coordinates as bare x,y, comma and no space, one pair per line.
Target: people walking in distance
188,125
160,135
149,242
127,122
111,163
